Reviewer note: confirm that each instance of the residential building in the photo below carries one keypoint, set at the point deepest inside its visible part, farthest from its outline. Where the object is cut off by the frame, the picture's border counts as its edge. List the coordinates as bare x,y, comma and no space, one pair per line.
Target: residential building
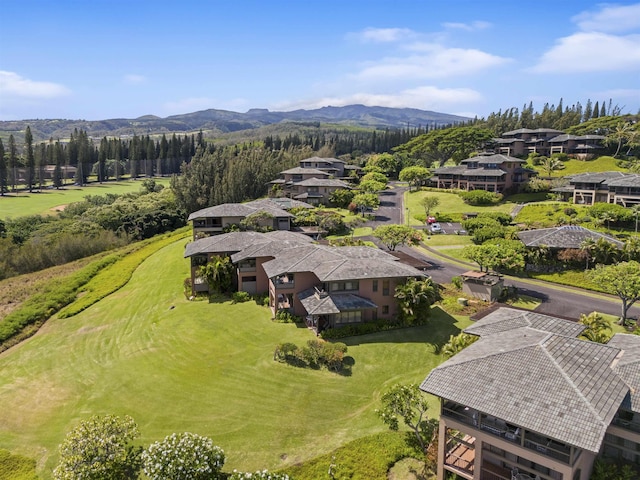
566,236
529,400
328,286
316,191
492,172
547,141
214,220
603,187
315,179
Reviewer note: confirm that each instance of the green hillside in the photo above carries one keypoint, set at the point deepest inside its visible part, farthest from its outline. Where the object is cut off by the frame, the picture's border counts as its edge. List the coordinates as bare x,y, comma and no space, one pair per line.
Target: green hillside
175,365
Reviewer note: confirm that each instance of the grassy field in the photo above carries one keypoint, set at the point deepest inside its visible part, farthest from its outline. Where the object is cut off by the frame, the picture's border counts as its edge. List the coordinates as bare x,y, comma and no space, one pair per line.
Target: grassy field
175,365
45,202
574,167
450,204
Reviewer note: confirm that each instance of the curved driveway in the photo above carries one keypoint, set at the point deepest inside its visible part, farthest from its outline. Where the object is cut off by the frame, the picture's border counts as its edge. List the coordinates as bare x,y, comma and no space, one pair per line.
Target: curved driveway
556,299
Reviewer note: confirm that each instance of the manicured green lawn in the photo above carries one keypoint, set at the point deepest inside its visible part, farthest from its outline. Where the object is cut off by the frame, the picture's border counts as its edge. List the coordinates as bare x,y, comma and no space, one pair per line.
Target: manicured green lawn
45,202
450,204
574,167
175,365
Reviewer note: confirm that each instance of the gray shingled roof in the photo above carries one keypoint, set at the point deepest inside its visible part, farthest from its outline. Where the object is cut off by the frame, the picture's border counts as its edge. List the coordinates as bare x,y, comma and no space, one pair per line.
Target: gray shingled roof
630,180
339,263
241,210
504,319
322,182
560,387
628,367
497,158
225,243
596,177
271,244
332,303
307,171
326,159
567,236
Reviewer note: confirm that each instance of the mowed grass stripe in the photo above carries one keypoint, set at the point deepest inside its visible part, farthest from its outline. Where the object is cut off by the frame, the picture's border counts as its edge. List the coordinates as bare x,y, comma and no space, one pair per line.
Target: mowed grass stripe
175,365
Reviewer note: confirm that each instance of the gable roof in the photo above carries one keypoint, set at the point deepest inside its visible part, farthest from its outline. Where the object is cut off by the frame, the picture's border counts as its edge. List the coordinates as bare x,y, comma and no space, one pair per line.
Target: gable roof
496,158
241,210
271,244
225,243
558,386
307,171
628,367
566,236
323,160
323,182
338,263
332,303
504,319
596,177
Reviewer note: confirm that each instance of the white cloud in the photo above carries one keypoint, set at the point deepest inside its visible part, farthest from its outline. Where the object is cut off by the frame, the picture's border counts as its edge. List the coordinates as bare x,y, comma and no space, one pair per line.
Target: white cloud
439,62
591,52
469,27
611,18
134,79
13,84
383,35
425,97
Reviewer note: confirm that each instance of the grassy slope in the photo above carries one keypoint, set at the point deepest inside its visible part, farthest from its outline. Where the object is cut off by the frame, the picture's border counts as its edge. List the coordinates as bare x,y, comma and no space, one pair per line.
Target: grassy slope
574,167
450,204
178,366
44,202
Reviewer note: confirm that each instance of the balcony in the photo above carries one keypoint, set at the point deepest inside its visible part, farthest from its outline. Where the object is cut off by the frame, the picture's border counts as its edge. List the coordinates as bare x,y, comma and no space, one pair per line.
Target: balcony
460,455
284,282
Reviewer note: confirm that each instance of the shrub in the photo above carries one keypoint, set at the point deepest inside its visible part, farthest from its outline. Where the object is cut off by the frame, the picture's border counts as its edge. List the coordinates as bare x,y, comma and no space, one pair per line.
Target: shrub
183,456
240,297
502,218
474,224
480,197
283,316
16,467
483,234
259,475
457,282
315,354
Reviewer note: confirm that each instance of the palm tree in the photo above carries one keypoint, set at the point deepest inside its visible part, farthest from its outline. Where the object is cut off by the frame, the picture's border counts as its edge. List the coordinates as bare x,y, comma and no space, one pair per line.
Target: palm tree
588,246
608,217
598,328
636,211
457,343
218,273
604,252
415,298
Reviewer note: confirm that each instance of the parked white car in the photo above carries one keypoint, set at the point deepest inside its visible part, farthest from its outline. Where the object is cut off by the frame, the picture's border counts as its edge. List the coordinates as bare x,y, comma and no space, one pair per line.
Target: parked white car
436,228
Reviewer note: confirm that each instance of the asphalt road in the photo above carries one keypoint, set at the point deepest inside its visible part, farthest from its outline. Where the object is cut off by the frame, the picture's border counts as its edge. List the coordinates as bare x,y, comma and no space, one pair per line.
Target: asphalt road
556,300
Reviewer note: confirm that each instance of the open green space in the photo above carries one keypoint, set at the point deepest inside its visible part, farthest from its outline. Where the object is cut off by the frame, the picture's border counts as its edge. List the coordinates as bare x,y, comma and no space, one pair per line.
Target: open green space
574,167
47,201
208,368
450,205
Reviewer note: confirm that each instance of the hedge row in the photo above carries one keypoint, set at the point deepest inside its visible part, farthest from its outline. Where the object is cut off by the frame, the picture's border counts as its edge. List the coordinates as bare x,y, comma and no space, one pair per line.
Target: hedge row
367,327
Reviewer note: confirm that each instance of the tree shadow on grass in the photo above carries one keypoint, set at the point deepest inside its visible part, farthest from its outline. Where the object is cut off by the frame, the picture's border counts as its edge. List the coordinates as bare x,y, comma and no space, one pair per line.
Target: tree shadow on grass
436,332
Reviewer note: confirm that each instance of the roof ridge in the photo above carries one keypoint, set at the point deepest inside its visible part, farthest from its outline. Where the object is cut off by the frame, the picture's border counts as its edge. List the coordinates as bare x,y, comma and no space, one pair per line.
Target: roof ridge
568,378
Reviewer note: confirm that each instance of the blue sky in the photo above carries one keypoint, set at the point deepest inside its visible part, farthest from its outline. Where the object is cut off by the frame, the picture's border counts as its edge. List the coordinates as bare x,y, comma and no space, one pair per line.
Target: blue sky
99,59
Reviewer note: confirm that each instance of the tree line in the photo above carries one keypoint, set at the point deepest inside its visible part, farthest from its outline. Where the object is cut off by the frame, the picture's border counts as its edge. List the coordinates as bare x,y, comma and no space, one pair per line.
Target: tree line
32,166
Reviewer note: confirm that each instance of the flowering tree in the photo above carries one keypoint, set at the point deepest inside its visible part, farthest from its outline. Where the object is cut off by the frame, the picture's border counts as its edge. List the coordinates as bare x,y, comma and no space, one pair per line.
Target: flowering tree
183,456
100,449
259,475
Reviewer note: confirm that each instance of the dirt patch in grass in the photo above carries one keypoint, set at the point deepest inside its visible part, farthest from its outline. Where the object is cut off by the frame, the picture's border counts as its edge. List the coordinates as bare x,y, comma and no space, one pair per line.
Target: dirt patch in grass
409,469
449,303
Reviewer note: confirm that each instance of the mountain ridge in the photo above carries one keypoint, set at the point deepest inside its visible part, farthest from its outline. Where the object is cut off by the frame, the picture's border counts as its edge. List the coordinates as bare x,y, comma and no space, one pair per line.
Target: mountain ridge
218,121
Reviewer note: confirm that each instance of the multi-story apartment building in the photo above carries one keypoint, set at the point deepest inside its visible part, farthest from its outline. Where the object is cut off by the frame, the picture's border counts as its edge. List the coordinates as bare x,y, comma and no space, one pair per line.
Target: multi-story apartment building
606,187
530,401
492,172
329,286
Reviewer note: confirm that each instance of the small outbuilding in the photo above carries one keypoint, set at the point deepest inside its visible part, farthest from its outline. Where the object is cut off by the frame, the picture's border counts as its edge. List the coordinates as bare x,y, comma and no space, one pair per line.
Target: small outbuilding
484,285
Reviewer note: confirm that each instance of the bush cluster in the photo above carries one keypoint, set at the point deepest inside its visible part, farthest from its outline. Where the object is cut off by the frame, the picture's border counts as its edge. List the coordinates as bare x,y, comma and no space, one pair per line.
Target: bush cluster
283,316
367,327
315,354
480,197
240,297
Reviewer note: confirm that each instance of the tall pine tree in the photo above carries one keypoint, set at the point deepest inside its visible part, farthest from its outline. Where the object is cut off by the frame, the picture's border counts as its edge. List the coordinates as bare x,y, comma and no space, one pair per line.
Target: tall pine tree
3,170
30,161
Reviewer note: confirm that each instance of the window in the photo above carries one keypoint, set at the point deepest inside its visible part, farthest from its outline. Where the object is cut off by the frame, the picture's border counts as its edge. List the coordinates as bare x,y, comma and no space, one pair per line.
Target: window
247,265
348,317
385,309
385,287
248,279
375,285
347,286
